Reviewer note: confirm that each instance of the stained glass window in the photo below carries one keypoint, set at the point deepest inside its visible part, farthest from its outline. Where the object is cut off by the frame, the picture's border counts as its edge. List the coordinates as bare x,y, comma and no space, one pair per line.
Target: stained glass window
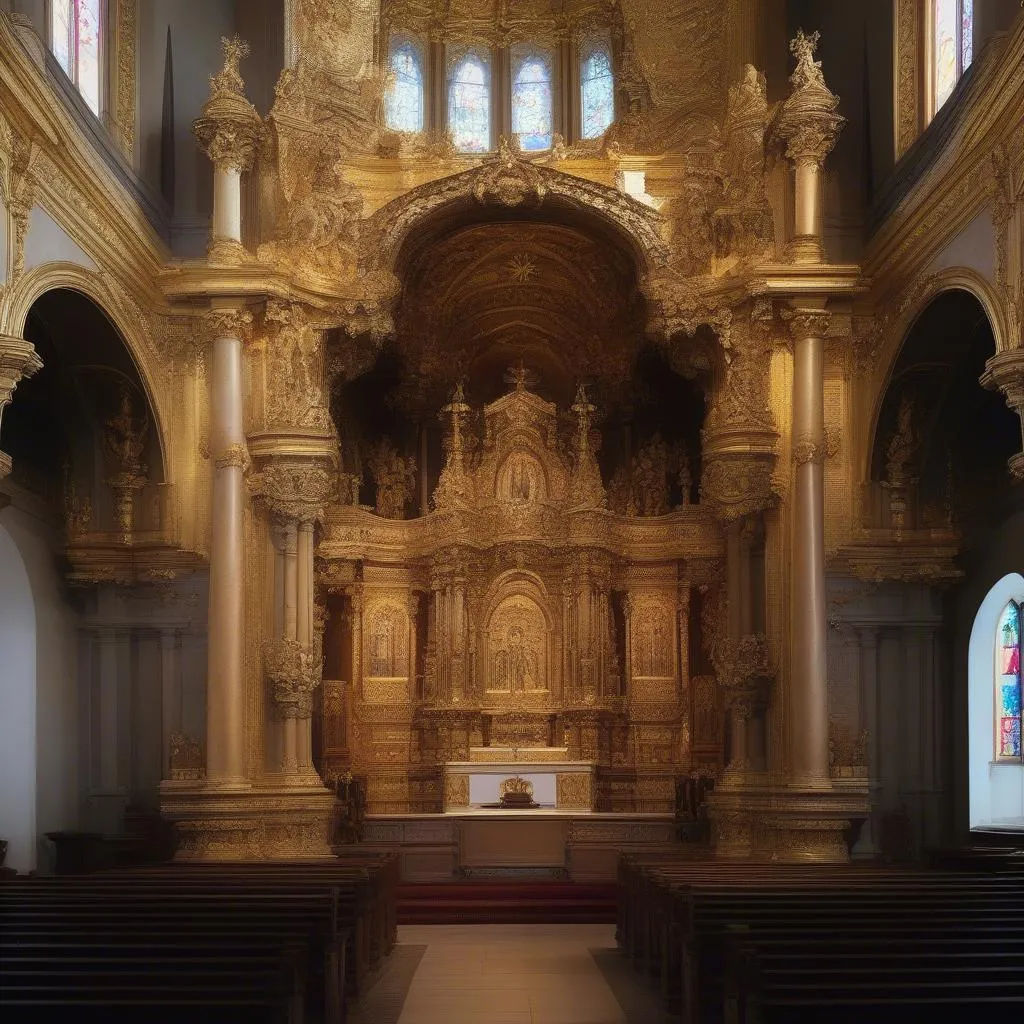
532,100
76,27
1008,683
954,44
597,92
469,104
403,107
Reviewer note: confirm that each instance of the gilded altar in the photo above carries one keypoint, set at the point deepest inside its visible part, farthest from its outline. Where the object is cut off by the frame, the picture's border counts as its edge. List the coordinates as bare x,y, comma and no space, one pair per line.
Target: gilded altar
519,620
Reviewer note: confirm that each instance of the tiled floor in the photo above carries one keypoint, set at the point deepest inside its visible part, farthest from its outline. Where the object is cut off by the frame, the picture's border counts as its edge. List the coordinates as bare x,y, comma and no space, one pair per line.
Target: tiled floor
507,974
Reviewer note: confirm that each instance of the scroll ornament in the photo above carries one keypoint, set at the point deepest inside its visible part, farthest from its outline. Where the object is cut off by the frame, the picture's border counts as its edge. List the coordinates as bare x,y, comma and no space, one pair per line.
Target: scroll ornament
745,671
294,673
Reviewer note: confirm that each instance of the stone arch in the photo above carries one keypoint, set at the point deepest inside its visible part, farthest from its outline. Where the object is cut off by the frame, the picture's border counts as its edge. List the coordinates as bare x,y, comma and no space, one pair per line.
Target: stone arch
639,226
919,298
121,311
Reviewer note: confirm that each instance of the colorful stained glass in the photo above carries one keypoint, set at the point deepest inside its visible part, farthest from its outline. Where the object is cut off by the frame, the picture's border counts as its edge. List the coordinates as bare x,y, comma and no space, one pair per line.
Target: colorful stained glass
469,105
597,93
531,102
966,34
403,107
1008,693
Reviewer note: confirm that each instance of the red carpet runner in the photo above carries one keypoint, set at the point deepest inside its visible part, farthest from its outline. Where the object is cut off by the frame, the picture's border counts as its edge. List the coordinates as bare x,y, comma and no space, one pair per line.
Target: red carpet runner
506,902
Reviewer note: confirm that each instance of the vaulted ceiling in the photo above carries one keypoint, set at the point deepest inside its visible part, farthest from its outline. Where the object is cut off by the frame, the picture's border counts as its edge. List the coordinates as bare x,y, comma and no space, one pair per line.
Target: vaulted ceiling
486,296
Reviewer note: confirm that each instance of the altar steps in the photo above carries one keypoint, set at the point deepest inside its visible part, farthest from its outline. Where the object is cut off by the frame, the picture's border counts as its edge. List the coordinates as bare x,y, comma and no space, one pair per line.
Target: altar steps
506,902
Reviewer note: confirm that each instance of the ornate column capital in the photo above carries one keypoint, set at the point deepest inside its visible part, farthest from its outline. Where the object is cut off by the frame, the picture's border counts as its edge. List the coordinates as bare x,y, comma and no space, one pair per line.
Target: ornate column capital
229,128
228,322
807,122
807,319
295,489
18,359
294,673
1005,371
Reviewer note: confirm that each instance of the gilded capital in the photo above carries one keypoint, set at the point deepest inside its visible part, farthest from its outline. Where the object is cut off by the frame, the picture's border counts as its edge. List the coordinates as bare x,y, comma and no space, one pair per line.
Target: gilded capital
807,122
807,323
228,323
1005,371
18,359
229,128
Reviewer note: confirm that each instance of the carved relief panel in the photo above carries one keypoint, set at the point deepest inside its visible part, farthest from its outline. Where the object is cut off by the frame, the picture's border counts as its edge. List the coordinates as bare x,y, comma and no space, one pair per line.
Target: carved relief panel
517,645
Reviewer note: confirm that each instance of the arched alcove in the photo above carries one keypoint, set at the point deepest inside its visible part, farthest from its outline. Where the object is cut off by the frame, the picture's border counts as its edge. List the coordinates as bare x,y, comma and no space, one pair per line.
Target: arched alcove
18,700
996,784
74,425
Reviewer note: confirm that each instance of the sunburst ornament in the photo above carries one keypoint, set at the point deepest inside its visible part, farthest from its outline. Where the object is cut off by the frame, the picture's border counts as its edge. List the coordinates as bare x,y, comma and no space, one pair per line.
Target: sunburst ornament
522,268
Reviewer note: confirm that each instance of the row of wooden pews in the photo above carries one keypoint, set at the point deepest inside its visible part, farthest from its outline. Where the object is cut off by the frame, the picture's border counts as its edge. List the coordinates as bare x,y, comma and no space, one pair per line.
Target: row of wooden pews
745,943
274,942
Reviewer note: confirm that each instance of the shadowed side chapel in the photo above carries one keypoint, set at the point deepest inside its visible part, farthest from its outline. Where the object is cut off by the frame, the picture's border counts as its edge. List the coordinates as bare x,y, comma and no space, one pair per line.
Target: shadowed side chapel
530,464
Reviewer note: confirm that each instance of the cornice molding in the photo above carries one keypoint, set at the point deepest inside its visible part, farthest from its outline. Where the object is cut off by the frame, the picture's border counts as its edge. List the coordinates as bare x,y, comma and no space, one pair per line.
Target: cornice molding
953,189
76,187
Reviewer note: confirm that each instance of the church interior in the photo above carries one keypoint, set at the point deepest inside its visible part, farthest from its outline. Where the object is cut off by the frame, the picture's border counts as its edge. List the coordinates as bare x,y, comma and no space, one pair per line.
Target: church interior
515,466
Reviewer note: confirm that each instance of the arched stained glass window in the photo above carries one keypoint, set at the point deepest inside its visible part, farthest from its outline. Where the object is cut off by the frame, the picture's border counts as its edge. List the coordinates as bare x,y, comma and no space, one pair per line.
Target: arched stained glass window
403,106
469,104
597,92
532,100
1008,683
953,43
75,32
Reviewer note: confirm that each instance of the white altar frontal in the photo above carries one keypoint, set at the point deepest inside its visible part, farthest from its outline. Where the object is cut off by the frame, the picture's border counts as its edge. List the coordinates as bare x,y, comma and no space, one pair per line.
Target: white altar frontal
546,773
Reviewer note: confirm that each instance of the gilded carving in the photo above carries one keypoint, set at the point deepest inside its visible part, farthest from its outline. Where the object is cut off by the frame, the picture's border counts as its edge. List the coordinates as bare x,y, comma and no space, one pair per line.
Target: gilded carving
294,673
456,791
229,128
572,791
395,478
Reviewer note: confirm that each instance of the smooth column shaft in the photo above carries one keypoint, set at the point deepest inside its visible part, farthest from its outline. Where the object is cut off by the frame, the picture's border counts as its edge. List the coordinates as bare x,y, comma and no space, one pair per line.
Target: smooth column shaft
807,215
225,732
227,203
809,711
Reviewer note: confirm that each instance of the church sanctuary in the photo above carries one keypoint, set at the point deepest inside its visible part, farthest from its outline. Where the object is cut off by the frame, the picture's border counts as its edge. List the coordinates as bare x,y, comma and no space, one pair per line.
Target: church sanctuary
511,511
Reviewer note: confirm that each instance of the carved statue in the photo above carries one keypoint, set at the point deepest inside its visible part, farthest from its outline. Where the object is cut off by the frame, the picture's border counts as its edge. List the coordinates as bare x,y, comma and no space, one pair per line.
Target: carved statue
516,664
395,477
125,437
650,478
903,445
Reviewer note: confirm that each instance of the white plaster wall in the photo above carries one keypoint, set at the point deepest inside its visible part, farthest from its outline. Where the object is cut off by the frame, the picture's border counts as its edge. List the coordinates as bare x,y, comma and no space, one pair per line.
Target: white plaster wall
996,790
17,698
47,242
974,246
996,574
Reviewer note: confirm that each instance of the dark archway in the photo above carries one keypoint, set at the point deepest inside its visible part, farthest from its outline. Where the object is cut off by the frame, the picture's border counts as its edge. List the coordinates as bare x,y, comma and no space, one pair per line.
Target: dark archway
66,428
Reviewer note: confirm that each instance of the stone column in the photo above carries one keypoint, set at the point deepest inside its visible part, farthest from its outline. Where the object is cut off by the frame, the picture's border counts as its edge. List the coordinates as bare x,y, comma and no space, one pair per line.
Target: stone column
228,132
807,125
304,634
808,710
1005,371
225,686
18,359
170,690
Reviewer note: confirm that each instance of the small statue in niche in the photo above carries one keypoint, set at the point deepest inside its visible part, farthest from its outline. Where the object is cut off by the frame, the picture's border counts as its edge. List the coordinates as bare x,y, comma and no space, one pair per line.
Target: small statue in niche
684,478
620,492
395,477
650,478
125,436
903,445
